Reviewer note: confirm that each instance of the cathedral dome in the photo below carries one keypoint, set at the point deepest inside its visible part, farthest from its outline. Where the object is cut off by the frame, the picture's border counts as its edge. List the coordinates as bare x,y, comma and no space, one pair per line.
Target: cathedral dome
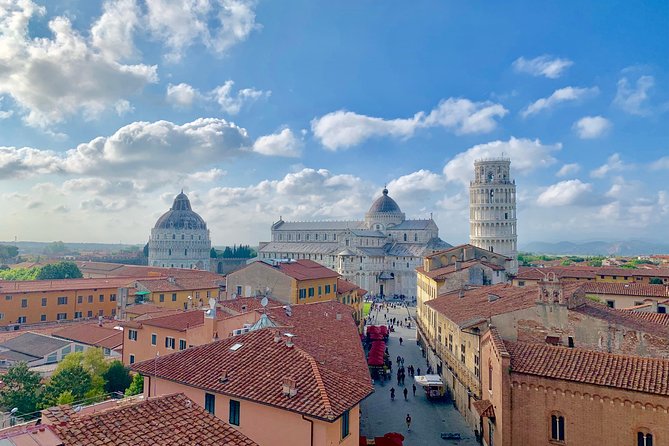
384,204
180,216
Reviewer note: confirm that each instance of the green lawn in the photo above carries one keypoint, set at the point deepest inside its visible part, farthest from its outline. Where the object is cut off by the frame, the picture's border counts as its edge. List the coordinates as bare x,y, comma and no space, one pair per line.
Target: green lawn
366,307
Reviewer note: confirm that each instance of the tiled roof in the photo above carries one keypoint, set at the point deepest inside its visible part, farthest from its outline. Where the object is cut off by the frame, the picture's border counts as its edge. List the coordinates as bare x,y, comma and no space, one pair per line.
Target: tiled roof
477,306
256,370
138,271
178,321
484,408
639,272
27,286
165,420
304,269
319,225
327,248
627,289
181,283
244,304
335,343
91,334
444,271
571,272
141,309
655,318
629,319
344,286
649,375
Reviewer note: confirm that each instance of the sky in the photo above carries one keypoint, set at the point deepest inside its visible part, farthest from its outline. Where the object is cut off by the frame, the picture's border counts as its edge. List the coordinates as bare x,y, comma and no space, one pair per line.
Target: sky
305,109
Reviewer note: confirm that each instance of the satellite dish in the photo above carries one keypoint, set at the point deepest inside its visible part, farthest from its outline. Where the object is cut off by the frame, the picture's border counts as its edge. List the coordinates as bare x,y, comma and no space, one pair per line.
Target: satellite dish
212,303
264,302
234,295
289,311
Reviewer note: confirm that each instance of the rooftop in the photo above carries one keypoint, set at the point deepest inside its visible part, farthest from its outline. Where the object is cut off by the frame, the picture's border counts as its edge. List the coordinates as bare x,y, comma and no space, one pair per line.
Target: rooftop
256,368
34,344
304,269
178,321
444,271
244,304
649,375
91,334
171,419
627,289
27,286
170,284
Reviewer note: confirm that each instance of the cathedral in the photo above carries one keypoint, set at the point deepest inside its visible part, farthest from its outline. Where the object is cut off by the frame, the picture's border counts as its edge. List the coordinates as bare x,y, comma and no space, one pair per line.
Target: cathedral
380,253
180,238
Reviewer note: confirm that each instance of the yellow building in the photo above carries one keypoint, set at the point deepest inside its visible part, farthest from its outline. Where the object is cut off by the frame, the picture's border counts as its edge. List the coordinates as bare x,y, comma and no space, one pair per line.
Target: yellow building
352,295
531,275
291,282
193,291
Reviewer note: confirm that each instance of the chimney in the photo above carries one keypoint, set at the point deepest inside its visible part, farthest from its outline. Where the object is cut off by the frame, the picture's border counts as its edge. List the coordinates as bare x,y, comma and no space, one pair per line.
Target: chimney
457,265
171,280
223,376
289,386
338,316
210,324
653,306
461,293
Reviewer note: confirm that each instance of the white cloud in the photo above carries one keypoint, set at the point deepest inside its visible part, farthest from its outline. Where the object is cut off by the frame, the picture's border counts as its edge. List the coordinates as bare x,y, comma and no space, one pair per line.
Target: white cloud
613,164
283,143
232,103
207,176
419,182
18,162
547,66
217,24
568,169
632,100
123,107
526,155
565,193
184,95
112,34
343,129
558,96
590,127
51,79
662,163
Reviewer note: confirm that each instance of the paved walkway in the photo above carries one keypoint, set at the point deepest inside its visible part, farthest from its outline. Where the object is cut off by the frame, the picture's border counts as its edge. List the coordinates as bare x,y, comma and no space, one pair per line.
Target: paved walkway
380,415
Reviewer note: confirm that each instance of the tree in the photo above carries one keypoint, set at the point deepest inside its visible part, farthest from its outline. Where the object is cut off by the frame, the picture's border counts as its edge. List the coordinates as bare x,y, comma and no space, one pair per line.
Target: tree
655,281
93,362
65,398
117,378
55,248
227,253
22,389
8,251
136,386
60,270
145,250
74,379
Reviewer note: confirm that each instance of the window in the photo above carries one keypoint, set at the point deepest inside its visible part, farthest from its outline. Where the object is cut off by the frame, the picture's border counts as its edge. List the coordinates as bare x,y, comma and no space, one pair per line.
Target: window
63,300
90,299
78,314
521,283
477,368
90,313
182,344
570,341
8,297
311,292
450,342
169,343
490,376
234,413
161,298
112,298
21,320
154,339
327,289
61,316
24,303
42,318
102,298
210,403
78,348
239,291
345,425
491,432
80,299
169,252
101,312
644,439
405,237
303,293
132,359
557,427
174,297
132,335
462,353
320,290
66,350
53,357
44,301
2,316
611,303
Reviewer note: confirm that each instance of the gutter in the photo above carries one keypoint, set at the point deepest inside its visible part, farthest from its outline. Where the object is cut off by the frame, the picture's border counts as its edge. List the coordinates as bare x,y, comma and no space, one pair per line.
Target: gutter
311,430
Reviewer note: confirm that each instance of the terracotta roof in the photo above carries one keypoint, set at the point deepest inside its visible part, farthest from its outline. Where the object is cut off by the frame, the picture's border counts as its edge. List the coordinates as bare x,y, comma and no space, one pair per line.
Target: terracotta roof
172,419
142,309
444,271
344,286
167,284
27,286
479,304
626,289
177,321
304,269
571,272
256,369
91,334
655,318
484,408
335,343
641,272
138,271
629,319
649,375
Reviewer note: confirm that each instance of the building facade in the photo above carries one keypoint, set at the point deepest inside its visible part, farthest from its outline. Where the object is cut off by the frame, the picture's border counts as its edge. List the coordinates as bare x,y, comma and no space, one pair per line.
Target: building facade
180,238
492,208
379,253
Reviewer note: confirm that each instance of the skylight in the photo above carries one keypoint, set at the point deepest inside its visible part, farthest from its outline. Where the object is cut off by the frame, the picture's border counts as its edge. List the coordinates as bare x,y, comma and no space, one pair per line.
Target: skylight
236,347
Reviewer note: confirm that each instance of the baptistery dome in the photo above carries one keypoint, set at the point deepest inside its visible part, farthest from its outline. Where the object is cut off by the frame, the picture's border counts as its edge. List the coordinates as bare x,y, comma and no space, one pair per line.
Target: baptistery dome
180,238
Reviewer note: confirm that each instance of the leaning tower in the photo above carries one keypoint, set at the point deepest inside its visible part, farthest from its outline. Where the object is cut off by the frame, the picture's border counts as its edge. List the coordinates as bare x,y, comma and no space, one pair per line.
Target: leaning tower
492,208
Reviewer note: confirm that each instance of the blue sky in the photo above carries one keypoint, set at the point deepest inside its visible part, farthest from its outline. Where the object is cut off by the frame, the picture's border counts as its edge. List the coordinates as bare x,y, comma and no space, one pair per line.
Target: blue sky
305,109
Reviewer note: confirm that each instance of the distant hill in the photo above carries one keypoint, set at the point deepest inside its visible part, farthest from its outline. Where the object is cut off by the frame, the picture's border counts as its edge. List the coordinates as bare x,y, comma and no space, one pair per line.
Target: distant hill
619,248
38,247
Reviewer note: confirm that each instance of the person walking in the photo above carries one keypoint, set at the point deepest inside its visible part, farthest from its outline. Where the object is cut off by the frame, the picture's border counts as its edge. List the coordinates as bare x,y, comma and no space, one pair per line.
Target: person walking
392,394
401,340
418,371
414,390
408,421
406,392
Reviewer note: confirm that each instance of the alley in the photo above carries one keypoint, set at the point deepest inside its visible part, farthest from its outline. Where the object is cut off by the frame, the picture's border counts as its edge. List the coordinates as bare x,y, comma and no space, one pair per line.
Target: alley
429,419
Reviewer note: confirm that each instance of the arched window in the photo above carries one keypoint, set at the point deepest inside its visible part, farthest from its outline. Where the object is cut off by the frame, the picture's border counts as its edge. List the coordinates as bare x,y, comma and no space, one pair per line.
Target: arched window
557,427
644,438
169,252
185,252
405,237
183,236
415,237
174,236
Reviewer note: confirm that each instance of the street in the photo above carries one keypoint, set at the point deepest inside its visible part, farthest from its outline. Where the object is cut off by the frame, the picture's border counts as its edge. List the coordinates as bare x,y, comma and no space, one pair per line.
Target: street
380,415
